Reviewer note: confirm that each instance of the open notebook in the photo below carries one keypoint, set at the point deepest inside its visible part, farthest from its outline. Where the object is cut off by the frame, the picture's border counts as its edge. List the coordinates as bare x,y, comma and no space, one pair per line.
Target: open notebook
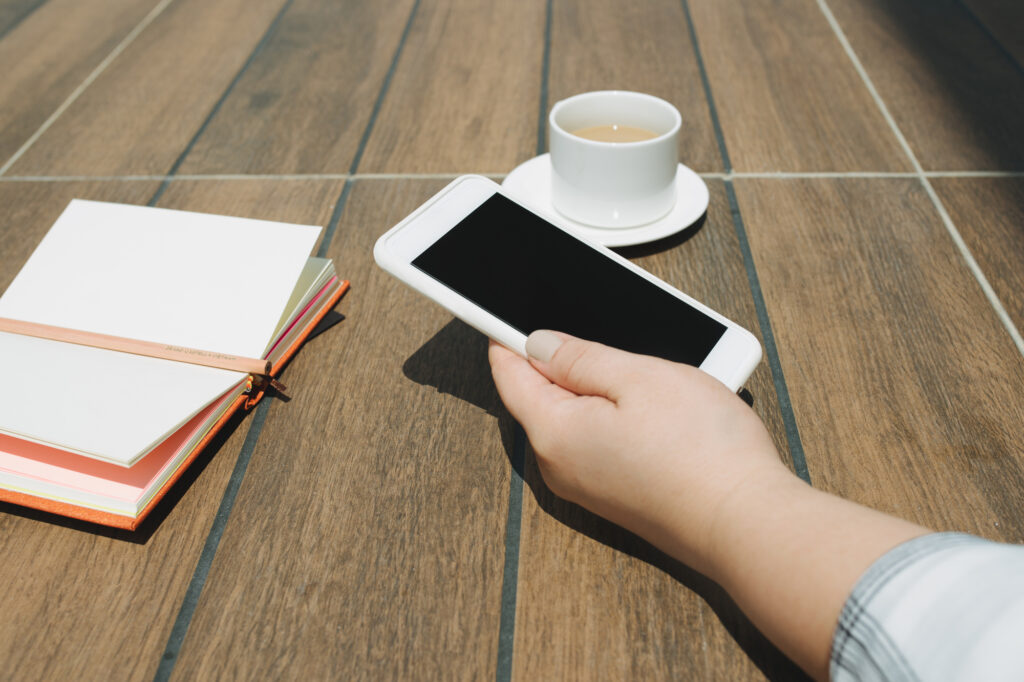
101,434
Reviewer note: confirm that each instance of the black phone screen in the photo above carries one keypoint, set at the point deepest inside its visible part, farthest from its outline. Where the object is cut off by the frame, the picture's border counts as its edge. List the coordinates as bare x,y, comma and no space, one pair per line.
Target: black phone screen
532,275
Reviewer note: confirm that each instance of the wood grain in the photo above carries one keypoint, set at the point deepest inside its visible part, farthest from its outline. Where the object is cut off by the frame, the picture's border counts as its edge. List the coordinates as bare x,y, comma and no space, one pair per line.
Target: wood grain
140,114
465,94
368,536
906,387
305,100
708,265
13,12
30,208
49,54
1003,19
787,95
957,97
260,199
989,214
97,605
596,602
644,47
81,602
90,605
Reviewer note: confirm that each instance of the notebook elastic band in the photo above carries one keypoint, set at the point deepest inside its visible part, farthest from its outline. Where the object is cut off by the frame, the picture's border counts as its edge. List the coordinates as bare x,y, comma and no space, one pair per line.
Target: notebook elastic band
193,356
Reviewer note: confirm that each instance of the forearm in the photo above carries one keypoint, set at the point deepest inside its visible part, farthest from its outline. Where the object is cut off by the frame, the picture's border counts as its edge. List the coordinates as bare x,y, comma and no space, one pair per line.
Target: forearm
671,454
789,556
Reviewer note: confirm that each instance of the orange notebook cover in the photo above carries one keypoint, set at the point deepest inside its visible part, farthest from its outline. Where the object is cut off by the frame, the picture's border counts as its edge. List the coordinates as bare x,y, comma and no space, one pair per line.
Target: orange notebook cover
244,401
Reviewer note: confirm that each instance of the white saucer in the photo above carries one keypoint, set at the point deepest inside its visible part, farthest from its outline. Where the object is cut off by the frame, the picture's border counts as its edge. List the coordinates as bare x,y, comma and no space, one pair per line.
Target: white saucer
530,183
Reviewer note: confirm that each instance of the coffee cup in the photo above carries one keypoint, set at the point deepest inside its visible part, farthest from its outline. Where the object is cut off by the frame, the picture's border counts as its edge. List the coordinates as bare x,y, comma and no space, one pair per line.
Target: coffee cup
614,157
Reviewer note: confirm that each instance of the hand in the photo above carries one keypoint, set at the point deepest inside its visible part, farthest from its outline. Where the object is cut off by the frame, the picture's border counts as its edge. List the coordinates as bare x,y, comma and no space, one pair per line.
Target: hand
655,446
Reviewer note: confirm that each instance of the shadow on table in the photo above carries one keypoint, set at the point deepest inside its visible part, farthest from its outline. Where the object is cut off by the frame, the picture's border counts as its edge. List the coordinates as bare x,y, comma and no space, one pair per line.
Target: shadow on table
454,361
141,535
975,72
663,244
155,518
770,661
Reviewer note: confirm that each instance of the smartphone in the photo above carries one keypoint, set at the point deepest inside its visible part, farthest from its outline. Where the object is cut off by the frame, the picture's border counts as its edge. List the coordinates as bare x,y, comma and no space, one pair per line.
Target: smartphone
507,271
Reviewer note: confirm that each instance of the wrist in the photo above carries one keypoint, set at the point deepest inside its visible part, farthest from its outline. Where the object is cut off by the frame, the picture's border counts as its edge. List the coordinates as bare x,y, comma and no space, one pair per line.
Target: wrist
780,541
752,504
701,526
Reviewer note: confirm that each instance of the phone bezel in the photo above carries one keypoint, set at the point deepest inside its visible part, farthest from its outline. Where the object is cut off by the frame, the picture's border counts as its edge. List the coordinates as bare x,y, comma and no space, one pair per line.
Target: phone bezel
731,361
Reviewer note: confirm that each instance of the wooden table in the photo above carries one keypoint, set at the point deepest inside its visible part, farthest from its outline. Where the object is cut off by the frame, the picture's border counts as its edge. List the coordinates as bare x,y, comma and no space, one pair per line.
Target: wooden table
865,165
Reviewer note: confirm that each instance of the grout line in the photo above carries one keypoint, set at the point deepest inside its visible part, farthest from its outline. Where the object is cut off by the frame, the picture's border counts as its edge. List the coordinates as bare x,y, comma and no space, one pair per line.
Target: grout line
918,171
121,47
972,264
419,176
195,588
422,176
796,448
339,206
973,174
332,225
712,109
81,178
384,87
958,240
219,103
202,571
510,573
811,175
514,519
22,17
496,176
229,177
545,71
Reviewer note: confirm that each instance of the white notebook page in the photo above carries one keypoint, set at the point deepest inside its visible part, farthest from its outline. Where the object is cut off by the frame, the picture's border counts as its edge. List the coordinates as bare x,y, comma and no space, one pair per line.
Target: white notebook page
201,281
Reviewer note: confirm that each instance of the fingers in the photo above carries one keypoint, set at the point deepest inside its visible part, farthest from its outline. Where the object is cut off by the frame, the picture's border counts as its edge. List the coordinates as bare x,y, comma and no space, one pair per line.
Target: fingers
527,393
584,367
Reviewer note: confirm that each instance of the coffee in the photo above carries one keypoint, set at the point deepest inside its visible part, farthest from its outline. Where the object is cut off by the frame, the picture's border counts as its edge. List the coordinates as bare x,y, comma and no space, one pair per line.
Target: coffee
618,175
615,133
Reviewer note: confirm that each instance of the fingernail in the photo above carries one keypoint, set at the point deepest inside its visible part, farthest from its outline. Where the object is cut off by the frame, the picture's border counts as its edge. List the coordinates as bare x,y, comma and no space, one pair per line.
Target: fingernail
542,344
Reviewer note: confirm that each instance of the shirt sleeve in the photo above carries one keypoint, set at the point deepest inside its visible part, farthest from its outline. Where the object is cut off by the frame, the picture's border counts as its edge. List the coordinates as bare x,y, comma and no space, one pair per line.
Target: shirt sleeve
944,606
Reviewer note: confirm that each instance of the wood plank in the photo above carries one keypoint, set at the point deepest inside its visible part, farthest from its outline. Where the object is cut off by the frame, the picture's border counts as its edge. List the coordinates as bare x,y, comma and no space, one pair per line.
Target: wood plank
906,387
49,54
1003,19
308,201
90,605
989,213
957,97
644,47
30,208
13,12
84,604
596,602
304,102
465,94
368,535
79,602
139,115
787,95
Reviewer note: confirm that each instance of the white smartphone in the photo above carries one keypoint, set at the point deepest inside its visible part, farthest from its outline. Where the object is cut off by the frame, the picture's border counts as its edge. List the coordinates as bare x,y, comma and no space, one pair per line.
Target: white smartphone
506,270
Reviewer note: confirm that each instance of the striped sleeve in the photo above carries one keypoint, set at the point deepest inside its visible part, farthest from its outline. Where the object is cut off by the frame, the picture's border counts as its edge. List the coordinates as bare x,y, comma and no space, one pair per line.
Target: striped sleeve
945,606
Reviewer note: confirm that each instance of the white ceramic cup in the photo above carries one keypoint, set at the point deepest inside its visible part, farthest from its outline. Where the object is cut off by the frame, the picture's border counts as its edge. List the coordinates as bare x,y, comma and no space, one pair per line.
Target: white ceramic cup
613,184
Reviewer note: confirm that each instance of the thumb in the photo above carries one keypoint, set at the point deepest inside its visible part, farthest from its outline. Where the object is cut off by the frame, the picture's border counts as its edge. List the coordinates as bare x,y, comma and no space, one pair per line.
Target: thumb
584,367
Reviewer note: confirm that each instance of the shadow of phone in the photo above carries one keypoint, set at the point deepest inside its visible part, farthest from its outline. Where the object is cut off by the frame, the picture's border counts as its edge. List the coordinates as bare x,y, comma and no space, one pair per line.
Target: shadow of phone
454,362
